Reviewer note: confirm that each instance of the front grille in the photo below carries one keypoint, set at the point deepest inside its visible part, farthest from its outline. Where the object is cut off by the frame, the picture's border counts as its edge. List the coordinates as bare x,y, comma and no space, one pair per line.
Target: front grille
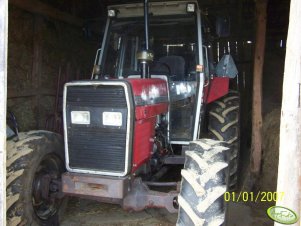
98,96
96,147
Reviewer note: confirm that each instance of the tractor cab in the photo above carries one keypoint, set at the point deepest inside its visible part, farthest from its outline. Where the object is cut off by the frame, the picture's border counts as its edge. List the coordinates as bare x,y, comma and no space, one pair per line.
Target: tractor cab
174,44
143,106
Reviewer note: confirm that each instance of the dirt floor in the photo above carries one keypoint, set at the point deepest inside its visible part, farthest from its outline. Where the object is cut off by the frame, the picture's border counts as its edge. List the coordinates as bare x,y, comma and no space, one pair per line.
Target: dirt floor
90,213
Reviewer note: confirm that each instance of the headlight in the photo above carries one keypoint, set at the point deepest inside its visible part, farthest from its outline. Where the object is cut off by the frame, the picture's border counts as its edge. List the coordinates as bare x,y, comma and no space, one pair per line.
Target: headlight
190,7
112,118
80,117
111,12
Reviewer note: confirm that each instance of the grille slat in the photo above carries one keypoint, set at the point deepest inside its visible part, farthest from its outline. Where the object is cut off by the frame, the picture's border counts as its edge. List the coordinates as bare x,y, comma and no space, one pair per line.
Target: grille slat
96,147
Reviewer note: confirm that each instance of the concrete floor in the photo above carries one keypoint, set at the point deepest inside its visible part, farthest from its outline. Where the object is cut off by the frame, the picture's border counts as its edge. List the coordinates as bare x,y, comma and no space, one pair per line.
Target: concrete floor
90,213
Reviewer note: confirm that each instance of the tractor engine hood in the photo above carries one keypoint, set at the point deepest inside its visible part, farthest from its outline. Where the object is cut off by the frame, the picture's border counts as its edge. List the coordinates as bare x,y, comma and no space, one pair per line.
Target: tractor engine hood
150,96
109,125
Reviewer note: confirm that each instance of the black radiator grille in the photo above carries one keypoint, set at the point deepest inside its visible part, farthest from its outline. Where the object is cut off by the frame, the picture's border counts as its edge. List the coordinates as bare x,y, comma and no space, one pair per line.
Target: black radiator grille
95,146
98,96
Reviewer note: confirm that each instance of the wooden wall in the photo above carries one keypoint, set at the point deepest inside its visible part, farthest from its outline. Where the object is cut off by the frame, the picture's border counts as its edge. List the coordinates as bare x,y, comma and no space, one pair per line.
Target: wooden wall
39,49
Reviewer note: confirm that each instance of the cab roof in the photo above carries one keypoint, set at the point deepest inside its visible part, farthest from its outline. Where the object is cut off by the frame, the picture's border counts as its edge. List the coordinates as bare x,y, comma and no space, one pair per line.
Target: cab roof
162,8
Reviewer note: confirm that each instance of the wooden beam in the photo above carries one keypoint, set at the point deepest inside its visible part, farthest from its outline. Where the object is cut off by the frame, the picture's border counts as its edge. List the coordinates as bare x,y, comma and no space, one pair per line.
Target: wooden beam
256,152
289,172
37,7
37,64
12,93
3,85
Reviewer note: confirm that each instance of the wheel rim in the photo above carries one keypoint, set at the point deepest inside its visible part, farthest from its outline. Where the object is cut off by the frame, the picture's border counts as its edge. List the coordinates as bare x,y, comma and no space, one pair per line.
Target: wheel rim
45,186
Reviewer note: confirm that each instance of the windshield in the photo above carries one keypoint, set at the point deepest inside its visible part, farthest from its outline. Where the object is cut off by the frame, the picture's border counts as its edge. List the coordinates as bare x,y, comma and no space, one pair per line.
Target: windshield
172,39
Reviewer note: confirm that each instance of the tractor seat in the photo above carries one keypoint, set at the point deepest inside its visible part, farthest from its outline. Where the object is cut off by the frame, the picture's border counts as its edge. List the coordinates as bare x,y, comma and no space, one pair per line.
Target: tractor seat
176,65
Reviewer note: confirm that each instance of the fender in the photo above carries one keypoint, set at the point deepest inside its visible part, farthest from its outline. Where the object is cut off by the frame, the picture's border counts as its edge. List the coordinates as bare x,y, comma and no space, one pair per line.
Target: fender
217,88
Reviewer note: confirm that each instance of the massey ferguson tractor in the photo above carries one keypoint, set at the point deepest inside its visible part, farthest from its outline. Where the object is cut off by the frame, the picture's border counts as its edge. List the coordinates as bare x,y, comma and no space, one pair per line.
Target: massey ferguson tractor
155,100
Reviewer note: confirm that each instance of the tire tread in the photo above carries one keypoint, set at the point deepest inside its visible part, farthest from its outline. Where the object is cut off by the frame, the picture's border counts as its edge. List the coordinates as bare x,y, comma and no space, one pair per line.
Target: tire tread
21,155
223,125
203,183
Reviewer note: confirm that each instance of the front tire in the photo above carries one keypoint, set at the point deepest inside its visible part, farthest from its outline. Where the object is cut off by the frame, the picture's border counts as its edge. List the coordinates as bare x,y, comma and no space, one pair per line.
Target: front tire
34,162
204,182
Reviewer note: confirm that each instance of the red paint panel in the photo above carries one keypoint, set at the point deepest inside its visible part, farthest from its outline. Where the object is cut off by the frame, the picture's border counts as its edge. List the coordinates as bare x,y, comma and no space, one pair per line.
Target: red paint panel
151,99
143,141
141,85
148,111
219,87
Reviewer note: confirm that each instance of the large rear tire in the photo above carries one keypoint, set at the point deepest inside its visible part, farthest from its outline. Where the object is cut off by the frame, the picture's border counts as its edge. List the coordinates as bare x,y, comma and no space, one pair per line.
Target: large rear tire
31,160
224,125
204,182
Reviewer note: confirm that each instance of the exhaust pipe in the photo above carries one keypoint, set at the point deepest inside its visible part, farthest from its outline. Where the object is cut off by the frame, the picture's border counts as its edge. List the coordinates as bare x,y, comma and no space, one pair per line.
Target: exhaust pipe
145,56
146,25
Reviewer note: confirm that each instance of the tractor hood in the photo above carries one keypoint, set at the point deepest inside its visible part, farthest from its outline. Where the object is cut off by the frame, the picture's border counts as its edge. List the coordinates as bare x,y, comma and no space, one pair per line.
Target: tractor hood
151,97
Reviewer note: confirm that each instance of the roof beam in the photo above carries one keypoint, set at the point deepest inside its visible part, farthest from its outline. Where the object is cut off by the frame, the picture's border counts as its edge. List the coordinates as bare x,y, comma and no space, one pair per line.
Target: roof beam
37,7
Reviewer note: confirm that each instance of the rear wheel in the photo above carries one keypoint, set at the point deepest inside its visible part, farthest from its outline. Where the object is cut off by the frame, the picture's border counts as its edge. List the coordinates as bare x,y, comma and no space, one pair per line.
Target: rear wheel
204,182
224,125
34,166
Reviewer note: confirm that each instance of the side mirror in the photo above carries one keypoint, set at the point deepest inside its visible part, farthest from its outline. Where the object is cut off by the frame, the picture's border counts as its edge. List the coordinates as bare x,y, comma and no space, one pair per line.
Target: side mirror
222,26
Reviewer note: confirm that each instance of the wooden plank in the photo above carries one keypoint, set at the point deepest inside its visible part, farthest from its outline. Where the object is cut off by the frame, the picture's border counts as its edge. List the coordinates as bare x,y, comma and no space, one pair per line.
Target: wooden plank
3,86
37,64
12,93
37,7
256,152
289,173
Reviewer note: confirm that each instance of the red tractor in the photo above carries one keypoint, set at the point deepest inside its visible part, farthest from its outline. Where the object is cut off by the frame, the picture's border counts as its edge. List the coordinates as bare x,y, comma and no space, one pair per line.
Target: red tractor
154,93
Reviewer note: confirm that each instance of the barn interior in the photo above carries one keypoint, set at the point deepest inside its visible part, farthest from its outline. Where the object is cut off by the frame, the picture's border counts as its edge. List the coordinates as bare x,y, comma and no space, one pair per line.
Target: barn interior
54,42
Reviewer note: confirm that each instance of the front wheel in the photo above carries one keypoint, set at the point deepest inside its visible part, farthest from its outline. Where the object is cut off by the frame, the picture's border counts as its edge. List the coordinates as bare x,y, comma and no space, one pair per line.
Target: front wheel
35,163
204,182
